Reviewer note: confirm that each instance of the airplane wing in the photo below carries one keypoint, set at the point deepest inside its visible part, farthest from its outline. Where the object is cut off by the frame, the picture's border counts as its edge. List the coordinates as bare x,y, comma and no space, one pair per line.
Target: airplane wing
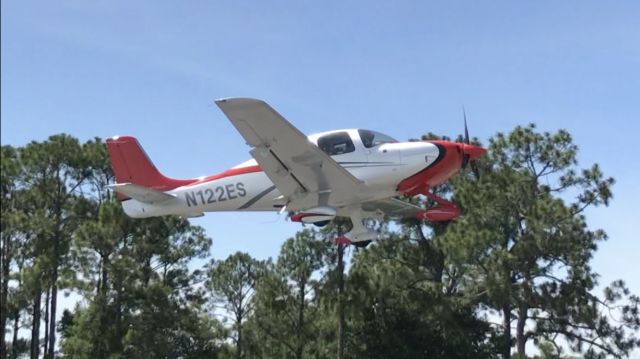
305,175
393,208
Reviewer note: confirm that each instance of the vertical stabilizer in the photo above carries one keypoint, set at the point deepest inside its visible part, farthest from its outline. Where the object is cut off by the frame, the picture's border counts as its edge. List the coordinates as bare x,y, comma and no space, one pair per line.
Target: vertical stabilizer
131,164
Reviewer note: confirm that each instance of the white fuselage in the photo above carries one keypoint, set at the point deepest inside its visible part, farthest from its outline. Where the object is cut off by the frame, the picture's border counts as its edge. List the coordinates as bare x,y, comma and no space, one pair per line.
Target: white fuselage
247,188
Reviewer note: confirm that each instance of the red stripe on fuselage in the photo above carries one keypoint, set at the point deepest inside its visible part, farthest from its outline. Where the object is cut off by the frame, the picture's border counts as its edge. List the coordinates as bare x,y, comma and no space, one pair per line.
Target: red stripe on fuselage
195,181
228,173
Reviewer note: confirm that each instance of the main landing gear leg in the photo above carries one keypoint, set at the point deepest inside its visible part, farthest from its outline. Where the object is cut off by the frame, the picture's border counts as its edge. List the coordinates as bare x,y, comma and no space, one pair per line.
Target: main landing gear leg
359,236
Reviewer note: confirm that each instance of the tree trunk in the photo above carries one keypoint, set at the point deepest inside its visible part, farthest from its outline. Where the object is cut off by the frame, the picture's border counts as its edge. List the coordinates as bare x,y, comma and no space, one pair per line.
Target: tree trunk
52,320
521,339
118,319
239,342
16,317
433,259
99,282
340,305
47,300
146,271
105,274
54,295
300,343
16,327
506,327
35,326
4,304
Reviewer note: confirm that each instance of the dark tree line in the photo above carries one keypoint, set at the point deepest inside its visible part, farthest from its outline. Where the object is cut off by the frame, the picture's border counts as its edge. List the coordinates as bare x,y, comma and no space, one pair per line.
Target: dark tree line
514,269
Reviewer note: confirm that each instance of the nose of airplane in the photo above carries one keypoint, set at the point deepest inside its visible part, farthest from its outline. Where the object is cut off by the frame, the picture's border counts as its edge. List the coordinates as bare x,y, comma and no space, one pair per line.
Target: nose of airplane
452,157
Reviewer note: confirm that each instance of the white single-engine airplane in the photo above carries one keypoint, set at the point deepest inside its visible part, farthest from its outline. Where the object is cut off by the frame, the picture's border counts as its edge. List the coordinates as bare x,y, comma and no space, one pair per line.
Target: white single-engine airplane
348,173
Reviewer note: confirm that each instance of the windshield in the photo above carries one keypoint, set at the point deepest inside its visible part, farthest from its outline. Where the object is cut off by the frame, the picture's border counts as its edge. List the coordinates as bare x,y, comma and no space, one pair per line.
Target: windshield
373,138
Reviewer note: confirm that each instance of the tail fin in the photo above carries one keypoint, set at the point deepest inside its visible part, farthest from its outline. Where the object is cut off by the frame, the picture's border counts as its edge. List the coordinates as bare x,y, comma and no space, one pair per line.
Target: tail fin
131,164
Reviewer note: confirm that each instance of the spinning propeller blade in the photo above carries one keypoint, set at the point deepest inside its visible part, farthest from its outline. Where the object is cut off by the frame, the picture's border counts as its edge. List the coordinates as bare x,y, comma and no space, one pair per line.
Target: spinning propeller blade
466,130
465,157
468,149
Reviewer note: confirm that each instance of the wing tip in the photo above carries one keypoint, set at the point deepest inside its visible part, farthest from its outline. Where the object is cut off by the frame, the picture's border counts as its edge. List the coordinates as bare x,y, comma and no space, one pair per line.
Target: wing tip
237,100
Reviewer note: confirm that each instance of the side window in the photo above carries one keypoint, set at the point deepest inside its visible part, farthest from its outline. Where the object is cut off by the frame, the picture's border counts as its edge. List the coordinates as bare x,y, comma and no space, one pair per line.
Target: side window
372,138
336,143
367,138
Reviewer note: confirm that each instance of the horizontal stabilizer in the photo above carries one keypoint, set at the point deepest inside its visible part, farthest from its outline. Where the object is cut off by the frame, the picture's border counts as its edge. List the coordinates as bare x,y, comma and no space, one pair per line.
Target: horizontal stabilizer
141,193
192,215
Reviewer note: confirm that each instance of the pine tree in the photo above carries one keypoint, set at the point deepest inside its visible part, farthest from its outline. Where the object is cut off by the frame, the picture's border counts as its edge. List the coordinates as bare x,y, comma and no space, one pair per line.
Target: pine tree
231,284
522,246
286,299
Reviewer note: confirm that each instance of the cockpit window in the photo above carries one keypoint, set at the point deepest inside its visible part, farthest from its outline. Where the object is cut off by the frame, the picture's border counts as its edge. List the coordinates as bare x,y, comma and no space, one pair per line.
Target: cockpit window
373,138
336,143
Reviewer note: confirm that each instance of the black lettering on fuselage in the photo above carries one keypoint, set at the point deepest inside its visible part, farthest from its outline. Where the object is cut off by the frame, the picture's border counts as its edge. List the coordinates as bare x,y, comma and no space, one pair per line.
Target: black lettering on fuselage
210,197
216,194
220,192
241,191
230,191
191,199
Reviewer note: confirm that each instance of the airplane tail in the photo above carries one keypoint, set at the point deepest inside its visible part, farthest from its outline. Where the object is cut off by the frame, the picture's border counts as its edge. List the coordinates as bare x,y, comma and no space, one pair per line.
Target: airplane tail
131,164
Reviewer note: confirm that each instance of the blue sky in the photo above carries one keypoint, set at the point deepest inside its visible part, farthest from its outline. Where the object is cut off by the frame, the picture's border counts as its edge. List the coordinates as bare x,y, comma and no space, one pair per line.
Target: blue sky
153,68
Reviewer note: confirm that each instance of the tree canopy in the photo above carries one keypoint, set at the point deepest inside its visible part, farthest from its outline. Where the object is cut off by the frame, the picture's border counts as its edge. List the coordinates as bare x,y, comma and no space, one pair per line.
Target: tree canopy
512,273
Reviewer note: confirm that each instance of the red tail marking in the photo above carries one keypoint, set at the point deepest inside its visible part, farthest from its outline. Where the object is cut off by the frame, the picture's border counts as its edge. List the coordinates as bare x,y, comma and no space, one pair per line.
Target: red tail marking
132,165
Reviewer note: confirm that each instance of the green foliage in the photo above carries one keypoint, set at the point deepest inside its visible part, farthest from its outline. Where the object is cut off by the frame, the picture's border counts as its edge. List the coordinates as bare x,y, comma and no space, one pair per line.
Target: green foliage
286,301
144,301
397,308
523,247
520,252
231,283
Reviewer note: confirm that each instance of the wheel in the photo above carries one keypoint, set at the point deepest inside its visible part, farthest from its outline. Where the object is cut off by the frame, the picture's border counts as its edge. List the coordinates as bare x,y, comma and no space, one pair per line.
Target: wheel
362,244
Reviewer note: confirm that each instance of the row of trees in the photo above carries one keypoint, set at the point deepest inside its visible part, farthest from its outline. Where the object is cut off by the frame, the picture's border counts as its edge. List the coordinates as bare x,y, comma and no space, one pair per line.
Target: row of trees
514,269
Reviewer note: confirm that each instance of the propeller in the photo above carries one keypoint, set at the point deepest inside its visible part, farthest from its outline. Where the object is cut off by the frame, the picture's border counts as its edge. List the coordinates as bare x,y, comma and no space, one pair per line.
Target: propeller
467,156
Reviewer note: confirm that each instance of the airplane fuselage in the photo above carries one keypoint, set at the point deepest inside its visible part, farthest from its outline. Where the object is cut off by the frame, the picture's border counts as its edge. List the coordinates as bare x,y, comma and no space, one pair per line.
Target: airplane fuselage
345,173
245,187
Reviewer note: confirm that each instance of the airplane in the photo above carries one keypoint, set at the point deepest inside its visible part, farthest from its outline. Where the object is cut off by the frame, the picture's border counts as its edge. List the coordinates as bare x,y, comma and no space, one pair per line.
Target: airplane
352,173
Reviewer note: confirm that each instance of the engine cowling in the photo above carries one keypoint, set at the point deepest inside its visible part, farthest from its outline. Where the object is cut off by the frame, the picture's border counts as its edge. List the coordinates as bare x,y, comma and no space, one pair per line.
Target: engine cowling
315,215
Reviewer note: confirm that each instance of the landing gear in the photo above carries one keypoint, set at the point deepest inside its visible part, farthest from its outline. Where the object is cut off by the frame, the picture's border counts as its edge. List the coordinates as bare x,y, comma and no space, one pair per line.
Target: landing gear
360,236
359,232
345,241
321,223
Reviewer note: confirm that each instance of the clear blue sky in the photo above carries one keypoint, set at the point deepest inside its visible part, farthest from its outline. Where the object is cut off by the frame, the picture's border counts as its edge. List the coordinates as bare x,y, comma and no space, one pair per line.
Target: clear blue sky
152,69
